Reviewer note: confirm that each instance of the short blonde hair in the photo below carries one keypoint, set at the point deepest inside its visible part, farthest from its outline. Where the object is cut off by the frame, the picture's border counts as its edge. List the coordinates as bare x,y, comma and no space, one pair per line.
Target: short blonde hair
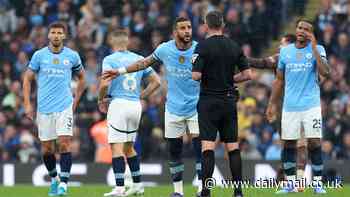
118,37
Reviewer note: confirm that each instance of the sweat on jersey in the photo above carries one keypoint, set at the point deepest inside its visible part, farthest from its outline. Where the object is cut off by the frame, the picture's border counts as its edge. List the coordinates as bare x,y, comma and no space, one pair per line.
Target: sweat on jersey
54,75
301,85
183,91
128,85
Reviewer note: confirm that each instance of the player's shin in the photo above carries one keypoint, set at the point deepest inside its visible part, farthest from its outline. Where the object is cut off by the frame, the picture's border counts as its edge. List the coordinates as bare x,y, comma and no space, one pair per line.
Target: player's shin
50,163
208,164
118,164
316,162
236,168
176,164
301,161
289,161
66,165
198,153
134,165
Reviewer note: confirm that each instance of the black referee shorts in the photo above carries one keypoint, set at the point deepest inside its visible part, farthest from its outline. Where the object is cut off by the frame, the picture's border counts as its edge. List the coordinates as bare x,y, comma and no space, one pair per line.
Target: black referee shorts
217,115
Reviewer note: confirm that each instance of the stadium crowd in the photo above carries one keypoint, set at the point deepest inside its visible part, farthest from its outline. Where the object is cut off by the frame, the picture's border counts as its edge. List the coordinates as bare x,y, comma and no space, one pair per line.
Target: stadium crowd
23,29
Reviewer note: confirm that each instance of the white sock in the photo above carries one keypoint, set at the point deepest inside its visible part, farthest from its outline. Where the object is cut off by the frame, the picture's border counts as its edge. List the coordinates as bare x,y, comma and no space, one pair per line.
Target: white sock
120,188
63,184
178,187
199,189
138,184
56,178
300,174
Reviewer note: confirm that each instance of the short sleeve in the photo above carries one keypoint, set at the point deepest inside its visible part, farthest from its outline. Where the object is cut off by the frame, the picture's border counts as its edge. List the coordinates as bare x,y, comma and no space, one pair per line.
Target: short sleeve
159,52
281,64
77,63
34,63
106,65
322,51
198,58
147,72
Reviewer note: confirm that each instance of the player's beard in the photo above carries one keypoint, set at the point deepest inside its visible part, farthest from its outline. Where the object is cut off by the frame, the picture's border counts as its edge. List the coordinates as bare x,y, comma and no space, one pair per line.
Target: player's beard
56,44
185,39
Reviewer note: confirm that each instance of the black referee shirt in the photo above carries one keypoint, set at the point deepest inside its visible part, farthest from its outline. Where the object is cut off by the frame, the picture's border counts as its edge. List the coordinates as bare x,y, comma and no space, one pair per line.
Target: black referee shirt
218,58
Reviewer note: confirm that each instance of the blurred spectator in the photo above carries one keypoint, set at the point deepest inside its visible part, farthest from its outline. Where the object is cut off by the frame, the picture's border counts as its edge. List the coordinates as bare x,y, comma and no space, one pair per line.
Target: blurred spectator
248,152
344,152
343,47
8,18
150,24
328,152
27,152
274,151
103,151
11,142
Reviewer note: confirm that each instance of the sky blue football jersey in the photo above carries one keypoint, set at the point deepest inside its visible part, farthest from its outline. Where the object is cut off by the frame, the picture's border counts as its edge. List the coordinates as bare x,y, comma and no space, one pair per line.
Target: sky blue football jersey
128,85
183,92
54,75
301,89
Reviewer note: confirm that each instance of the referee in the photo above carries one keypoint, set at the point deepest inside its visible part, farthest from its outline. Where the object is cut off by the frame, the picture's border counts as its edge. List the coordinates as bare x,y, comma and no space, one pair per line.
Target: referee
215,61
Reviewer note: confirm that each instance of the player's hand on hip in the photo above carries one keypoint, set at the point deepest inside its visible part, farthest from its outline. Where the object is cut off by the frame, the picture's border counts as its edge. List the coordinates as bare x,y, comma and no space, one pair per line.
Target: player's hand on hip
103,106
28,112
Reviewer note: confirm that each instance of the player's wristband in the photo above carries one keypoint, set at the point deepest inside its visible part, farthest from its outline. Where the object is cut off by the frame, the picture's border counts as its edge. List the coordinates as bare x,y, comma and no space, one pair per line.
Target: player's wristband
122,70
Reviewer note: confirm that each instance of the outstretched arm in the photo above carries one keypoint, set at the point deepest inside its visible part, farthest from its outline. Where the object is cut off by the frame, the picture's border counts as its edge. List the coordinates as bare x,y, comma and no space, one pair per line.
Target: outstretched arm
243,76
138,65
263,63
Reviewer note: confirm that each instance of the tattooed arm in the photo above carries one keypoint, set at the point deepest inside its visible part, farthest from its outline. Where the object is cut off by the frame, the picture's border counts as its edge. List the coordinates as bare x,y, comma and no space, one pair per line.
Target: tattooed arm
138,65
263,63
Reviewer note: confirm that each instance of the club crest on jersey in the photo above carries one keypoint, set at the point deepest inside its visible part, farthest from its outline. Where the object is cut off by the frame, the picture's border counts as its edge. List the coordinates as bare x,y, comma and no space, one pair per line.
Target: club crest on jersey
181,59
66,62
308,56
55,61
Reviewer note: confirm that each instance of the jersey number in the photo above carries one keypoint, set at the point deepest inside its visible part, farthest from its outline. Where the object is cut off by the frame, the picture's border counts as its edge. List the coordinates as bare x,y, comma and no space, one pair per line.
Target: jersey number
129,82
70,122
316,123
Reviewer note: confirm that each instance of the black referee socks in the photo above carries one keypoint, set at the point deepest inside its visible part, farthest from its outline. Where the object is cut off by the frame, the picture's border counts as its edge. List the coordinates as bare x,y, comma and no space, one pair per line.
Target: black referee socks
208,164
236,168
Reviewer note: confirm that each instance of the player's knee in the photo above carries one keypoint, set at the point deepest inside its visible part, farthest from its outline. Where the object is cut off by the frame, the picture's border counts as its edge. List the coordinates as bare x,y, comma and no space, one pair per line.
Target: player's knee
64,147
232,146
314,143
47,149
289,144
207,145
129,150
175,148
117,149
64,144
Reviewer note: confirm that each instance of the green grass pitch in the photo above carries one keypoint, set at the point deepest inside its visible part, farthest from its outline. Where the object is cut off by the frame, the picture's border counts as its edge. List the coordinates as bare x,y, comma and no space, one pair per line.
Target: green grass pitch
159,191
